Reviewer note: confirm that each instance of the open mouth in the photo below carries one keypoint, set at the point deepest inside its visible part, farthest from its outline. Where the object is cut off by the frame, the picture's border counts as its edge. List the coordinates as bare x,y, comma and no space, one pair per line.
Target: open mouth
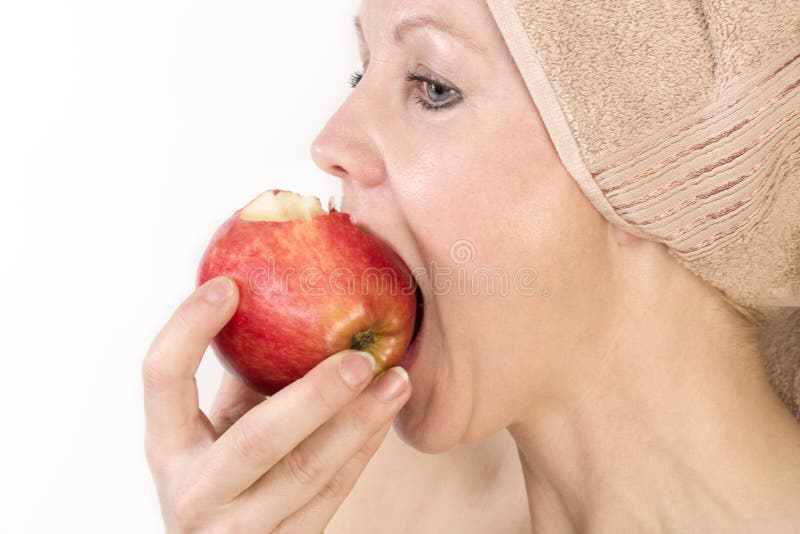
420,306
414,346
419,313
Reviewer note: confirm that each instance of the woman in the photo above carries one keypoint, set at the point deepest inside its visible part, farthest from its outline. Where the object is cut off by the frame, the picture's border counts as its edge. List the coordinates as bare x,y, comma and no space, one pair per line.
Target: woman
586,147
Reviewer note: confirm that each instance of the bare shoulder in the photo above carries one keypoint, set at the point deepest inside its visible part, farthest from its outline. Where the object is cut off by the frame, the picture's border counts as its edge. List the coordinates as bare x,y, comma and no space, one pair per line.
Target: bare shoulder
472,489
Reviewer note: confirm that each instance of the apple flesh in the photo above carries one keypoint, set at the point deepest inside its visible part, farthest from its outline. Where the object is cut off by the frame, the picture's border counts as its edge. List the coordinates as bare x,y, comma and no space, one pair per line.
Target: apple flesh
311,283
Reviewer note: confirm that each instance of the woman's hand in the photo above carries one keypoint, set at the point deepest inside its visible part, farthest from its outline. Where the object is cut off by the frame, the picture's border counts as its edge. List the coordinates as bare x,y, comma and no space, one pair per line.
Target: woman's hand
278,465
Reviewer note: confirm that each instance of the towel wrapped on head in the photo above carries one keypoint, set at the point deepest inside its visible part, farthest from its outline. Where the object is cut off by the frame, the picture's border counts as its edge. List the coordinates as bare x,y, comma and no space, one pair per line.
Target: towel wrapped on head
680,121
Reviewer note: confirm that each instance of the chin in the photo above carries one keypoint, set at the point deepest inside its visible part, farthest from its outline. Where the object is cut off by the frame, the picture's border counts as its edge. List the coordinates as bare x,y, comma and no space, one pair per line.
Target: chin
436,416
417,427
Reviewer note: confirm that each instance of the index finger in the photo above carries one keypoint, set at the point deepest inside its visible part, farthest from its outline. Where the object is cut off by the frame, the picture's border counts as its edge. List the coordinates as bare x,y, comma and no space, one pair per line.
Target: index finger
170,393
270,430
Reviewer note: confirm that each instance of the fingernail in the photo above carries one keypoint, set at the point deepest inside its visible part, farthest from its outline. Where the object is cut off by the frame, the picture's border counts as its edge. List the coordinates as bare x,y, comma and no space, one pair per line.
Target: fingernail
392,383
218,290
357,368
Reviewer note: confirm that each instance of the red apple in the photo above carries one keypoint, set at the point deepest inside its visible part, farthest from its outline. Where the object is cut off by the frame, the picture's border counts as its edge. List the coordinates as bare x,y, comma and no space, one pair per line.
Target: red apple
311,284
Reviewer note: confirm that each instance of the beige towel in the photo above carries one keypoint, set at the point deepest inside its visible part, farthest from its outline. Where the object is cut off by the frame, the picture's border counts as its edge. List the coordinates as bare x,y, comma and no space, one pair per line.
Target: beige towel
680,121
780,338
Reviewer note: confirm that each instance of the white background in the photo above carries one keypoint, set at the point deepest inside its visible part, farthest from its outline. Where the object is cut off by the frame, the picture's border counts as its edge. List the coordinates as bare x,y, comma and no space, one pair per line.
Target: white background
129,130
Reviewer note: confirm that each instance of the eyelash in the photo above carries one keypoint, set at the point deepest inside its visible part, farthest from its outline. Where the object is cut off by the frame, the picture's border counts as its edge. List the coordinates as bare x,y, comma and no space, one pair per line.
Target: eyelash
357,75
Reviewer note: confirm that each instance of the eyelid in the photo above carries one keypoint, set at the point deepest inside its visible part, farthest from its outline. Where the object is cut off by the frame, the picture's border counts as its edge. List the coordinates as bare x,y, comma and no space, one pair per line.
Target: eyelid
425,72
431,80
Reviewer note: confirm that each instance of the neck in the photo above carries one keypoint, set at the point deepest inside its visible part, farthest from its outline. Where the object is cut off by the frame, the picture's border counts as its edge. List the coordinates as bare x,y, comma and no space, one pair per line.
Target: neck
670,426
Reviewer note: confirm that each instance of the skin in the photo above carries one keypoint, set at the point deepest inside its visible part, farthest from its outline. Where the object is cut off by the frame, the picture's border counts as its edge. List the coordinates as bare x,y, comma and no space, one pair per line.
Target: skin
633,393
242,468
632,371
472,488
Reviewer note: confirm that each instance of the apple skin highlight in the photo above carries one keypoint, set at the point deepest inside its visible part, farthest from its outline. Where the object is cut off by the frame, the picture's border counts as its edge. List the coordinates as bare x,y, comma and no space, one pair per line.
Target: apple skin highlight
308,287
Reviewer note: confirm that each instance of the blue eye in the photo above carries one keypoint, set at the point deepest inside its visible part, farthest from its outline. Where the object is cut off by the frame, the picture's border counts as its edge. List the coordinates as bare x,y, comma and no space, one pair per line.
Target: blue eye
433,90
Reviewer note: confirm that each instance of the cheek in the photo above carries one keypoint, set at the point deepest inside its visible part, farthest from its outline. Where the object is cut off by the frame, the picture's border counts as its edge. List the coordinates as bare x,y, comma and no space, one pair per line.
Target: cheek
497,189
497,209
499,202
489,225
496,198
491,158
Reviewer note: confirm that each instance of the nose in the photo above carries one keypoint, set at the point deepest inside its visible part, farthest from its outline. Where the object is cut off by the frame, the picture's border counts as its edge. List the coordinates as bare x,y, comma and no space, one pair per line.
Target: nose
346,146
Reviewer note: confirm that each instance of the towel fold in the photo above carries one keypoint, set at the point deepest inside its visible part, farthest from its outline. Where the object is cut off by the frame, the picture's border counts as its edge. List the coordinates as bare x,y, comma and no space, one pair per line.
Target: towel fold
680,121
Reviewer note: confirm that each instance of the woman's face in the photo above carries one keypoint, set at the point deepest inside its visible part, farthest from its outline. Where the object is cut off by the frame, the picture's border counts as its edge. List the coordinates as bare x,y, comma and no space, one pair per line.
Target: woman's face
506,249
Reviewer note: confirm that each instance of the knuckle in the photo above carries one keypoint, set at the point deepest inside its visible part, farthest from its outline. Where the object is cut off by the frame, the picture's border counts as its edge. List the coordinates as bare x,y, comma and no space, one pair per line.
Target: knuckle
324,397
362,457
251,440
153,452
227,415
304,466
362,419
182,320
291,525
335,490
187,511
233,525
223,420
154,376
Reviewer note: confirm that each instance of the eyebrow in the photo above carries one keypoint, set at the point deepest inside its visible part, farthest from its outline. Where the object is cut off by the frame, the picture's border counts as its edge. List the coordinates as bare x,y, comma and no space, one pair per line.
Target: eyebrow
405,26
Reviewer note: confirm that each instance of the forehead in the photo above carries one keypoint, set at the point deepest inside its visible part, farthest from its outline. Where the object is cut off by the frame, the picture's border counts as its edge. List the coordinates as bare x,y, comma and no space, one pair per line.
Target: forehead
395,21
